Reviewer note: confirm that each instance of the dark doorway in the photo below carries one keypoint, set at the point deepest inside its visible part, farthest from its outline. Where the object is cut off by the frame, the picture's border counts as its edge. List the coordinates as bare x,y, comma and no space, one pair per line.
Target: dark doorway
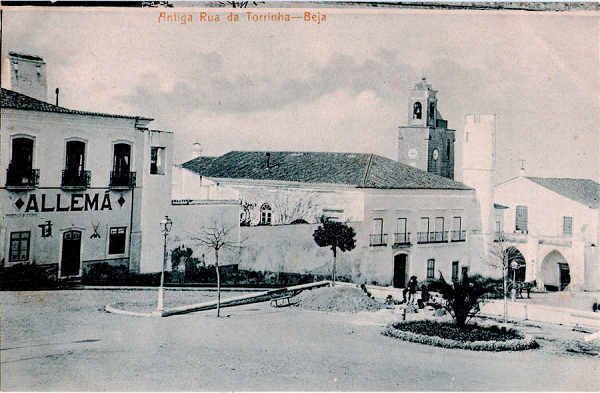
71,252
565,275
400,271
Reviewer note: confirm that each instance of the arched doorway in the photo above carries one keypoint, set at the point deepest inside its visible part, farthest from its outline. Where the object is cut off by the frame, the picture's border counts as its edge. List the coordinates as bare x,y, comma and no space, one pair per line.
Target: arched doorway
555,272
400,270
515,256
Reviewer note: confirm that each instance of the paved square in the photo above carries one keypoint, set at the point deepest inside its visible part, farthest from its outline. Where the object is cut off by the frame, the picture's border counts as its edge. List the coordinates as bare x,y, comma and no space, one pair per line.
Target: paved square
62,340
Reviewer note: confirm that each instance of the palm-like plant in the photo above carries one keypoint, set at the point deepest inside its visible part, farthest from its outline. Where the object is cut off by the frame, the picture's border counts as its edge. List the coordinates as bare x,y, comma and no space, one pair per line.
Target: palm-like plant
462,297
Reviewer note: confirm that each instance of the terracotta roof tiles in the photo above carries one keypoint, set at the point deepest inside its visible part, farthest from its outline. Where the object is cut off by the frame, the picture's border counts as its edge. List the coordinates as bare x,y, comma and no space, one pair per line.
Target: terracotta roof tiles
357,169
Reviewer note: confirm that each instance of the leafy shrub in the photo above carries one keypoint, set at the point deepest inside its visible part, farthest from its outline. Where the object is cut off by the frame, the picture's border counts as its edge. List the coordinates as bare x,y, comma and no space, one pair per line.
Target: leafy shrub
104,273
23,276
180,255
450,336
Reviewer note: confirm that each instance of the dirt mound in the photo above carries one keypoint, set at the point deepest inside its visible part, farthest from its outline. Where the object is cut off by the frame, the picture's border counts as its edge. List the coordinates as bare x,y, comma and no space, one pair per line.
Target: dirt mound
338,299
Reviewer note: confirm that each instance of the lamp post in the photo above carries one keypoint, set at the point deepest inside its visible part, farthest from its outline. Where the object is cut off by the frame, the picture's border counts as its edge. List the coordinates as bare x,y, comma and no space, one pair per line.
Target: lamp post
165,227
514,265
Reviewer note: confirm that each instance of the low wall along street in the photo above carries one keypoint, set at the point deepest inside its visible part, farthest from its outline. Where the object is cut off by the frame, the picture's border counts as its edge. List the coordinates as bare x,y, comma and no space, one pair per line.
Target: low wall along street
291,248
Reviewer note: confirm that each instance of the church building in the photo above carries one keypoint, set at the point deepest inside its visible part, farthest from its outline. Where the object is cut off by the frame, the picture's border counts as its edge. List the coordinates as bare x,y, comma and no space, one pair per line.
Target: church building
426,142
410,216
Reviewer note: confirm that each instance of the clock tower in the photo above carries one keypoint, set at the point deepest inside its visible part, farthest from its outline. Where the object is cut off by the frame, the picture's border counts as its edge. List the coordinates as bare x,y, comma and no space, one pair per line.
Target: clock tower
426,142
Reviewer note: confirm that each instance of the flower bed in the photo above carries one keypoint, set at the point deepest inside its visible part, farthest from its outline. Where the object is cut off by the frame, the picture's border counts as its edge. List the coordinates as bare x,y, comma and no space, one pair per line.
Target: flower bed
472,337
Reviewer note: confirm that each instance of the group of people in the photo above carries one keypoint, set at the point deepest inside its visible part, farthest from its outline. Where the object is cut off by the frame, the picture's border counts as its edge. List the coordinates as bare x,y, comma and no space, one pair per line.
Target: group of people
411,290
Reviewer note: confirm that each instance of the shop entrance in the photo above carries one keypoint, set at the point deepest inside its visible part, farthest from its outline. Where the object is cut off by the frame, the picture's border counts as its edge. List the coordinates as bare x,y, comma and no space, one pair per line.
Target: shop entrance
70,262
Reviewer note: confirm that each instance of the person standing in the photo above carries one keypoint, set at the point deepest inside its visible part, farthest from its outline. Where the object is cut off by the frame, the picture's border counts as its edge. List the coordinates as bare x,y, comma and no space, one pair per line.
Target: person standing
412,289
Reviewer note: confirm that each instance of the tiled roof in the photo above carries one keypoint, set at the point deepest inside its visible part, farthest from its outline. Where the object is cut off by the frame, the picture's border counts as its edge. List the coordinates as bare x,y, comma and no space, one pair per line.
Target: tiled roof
197,164
25,56
358,169
12,99
580,190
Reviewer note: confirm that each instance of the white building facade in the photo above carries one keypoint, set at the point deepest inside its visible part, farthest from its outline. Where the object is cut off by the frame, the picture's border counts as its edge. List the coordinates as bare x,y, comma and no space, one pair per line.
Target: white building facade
553,223
79,188
407,221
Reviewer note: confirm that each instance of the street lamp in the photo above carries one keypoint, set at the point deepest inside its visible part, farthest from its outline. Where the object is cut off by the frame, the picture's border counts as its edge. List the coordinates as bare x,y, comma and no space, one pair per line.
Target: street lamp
165,227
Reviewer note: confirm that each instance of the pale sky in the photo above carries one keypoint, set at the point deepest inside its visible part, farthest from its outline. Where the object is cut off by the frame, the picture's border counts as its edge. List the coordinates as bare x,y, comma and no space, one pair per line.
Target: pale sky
336,86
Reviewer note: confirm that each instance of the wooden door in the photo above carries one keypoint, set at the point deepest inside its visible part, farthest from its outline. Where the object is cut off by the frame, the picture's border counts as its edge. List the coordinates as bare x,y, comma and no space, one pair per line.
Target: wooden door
70,262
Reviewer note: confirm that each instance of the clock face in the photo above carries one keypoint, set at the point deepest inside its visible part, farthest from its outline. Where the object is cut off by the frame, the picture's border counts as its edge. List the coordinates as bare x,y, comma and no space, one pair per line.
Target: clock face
436,154
412,153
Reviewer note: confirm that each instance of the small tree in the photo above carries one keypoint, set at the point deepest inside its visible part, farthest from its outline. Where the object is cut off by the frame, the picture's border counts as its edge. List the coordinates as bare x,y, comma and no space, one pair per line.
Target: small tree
336,235
217,238
501,256
462,297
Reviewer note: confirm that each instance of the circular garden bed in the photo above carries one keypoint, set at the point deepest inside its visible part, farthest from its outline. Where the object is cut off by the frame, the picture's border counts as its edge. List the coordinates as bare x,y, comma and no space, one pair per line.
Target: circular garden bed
472,337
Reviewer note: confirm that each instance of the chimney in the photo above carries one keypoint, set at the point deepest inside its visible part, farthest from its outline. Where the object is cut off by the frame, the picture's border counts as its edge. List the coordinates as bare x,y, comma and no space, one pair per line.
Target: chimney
522,167
57,91
197,149
268,160
28,75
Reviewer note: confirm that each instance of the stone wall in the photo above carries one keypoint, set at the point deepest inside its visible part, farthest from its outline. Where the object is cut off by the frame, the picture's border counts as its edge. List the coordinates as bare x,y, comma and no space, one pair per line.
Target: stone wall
291,248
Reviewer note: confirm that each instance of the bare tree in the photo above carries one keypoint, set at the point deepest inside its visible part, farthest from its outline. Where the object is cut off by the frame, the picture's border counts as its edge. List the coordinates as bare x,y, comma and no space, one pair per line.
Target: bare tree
290,207
218,237
502,255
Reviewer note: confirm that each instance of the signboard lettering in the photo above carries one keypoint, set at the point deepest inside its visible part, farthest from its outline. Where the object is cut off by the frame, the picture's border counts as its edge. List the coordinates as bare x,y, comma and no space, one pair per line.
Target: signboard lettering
77,203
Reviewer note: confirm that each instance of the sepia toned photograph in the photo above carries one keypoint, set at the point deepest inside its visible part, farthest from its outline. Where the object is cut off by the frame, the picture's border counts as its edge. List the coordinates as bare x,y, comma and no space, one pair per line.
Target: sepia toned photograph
296,196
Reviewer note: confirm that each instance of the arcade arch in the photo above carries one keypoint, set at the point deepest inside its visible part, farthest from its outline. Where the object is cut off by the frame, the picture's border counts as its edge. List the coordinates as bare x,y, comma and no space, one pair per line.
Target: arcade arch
554,272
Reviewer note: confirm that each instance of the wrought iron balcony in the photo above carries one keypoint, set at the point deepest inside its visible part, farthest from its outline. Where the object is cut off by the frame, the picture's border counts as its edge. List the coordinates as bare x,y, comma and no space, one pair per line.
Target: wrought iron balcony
402,239
441,237
432,237
121,179
379,239
459,236
75,179
22,178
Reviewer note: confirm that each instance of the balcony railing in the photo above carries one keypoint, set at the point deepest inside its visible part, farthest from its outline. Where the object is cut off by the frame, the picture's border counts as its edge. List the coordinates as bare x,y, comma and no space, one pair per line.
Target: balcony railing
432,237
379,239
510,237
119,179
459,236
75,179
402,238
20,178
